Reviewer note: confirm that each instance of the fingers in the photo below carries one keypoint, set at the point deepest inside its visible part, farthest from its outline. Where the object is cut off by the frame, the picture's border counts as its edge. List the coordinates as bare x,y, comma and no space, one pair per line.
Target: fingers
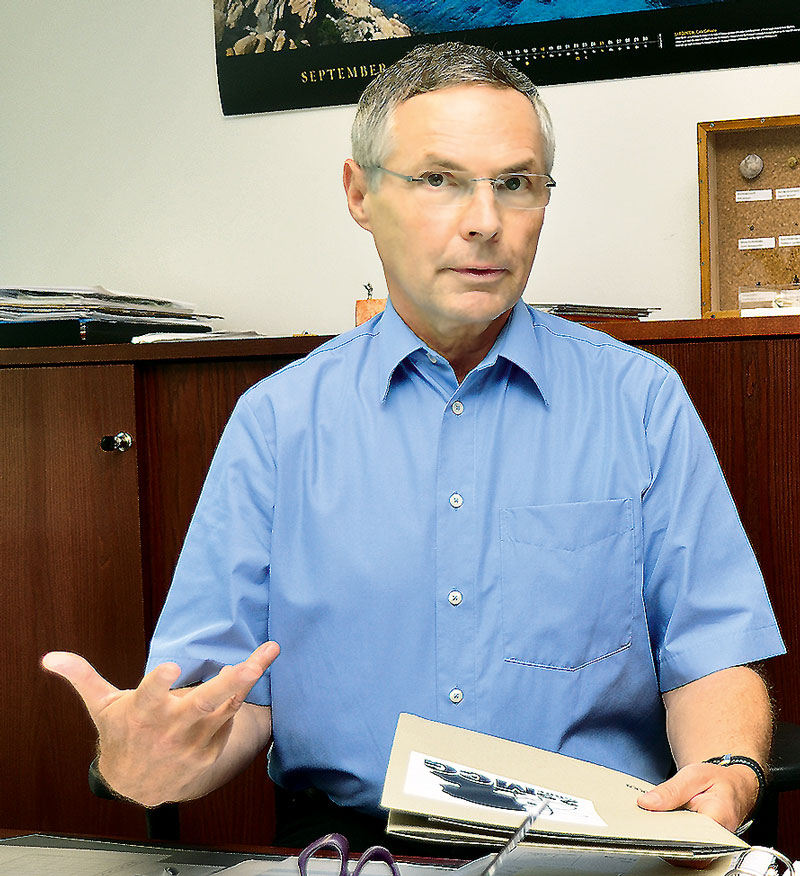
201,711
93,689
224,694
154,688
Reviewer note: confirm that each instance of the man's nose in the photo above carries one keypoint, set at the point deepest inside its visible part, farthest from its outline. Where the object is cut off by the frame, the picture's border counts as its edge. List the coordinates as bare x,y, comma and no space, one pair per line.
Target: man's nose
481,214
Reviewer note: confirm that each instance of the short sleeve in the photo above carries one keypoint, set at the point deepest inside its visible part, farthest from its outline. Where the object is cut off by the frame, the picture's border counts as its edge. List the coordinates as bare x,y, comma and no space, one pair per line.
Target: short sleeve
217,609
707,606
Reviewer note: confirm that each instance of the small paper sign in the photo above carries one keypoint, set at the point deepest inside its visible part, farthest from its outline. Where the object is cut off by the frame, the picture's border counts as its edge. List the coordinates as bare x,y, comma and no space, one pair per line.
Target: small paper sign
757,243
756,195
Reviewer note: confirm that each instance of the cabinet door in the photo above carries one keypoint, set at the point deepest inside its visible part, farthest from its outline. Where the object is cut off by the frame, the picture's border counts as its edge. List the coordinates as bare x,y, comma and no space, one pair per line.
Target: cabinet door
71,565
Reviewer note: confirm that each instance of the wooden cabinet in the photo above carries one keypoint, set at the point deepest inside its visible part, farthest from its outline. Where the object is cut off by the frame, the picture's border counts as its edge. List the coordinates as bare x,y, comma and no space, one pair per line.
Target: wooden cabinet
90,538
88,542
72,577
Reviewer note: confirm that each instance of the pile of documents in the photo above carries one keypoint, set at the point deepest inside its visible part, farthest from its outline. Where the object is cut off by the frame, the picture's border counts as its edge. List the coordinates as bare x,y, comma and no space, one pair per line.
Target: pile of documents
595,312
44,316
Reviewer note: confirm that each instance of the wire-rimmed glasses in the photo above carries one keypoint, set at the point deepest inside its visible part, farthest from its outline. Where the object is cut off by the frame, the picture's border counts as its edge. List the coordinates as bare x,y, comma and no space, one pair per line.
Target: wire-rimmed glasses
341,846
453,188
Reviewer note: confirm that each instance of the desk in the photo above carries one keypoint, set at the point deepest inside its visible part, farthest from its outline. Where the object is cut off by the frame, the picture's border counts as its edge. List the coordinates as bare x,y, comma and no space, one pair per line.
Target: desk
72,856
159,860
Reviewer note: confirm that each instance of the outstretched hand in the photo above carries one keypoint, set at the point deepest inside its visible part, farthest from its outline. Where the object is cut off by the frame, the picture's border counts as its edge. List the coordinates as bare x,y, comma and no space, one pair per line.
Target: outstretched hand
159,744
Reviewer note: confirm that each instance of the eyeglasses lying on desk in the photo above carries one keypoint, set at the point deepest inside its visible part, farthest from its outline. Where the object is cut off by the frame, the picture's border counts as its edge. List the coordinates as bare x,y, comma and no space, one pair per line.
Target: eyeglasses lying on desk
341,846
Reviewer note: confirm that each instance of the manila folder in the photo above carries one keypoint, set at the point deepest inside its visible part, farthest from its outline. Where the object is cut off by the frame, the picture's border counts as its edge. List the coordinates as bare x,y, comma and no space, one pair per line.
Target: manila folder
452,785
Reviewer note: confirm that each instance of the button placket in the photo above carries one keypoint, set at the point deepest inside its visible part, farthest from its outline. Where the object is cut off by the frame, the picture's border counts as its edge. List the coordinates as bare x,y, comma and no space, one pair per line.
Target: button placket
456,559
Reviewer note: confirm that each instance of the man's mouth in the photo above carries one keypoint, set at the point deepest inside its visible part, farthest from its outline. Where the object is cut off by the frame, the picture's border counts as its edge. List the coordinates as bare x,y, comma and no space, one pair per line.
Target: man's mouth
480,271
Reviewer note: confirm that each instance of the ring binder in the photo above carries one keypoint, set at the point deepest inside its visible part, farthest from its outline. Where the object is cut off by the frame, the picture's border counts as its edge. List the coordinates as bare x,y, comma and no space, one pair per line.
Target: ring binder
761,861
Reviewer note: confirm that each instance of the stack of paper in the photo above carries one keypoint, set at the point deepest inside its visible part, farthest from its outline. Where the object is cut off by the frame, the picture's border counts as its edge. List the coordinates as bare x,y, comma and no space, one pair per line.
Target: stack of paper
35,316
452,785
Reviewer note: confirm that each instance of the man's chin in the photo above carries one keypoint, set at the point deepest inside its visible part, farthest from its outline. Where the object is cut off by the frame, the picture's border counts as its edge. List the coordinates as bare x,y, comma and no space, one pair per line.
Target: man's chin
481,304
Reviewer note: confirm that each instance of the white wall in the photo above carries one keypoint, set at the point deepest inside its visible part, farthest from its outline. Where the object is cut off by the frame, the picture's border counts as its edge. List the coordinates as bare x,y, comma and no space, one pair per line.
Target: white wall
118,168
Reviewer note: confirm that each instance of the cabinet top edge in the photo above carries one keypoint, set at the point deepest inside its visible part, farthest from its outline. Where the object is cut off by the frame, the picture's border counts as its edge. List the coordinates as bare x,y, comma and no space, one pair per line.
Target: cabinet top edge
160,352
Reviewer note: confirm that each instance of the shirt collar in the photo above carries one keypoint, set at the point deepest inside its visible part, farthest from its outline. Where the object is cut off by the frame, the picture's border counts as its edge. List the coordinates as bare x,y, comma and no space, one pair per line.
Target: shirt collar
517,343
397,341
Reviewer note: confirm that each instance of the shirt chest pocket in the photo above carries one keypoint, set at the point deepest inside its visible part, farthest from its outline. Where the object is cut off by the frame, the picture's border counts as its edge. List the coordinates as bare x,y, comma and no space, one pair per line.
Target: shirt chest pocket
568,582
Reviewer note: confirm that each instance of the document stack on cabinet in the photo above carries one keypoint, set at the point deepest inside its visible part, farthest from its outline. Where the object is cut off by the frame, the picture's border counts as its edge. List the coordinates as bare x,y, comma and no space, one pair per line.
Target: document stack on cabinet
452,785
45,316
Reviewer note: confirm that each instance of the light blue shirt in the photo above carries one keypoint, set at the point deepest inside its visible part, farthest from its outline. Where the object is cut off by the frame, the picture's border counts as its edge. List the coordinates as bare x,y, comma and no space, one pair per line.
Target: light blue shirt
536,554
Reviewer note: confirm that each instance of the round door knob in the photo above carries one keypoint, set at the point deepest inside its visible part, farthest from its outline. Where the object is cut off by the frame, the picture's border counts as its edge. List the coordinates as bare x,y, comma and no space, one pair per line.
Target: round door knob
120,442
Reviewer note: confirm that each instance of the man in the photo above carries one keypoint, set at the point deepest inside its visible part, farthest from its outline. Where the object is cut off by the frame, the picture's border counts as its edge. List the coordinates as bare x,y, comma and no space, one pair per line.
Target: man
463,509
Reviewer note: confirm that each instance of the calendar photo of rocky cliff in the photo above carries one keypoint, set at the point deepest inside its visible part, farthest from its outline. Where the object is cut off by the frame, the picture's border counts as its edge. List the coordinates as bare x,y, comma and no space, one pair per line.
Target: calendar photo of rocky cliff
291,54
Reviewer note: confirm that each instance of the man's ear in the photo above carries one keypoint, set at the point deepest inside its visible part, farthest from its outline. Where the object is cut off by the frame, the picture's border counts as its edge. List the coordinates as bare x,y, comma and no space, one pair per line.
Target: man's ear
355,187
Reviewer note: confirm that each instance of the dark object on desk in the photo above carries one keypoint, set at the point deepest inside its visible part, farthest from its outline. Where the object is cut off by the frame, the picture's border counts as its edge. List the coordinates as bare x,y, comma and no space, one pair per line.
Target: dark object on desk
68,332
784,776
163,822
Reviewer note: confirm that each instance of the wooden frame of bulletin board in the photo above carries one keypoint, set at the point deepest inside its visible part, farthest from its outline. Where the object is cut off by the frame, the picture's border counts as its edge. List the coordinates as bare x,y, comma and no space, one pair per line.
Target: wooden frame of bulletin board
749,228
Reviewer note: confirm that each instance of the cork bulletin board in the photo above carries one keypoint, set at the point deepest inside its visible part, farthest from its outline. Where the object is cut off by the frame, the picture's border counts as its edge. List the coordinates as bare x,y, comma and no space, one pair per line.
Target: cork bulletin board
749,228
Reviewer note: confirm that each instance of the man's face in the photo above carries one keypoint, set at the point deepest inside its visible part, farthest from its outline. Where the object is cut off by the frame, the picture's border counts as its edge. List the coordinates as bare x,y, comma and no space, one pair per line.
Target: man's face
453,270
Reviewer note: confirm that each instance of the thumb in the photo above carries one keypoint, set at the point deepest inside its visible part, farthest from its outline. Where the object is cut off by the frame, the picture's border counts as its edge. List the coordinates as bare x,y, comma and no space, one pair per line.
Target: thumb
666,796
92,688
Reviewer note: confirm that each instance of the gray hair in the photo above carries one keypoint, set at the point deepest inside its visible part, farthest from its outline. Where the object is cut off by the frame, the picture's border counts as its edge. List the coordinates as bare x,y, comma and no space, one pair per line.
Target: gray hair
431,67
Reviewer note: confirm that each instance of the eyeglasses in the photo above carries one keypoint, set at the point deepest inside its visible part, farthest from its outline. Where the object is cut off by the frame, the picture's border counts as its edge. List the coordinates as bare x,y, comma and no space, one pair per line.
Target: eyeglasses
451,188
341,846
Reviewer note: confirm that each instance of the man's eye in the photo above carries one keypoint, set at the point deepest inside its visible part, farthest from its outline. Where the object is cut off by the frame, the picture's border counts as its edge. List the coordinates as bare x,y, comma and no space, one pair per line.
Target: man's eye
436,179
515,183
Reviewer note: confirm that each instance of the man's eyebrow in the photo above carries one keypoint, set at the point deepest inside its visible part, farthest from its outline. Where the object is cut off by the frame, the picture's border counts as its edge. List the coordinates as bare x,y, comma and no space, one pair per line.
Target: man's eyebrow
437,161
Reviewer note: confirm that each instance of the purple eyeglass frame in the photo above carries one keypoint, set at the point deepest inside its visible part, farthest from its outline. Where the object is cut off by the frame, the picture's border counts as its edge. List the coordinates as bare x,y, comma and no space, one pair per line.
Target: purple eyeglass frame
341,846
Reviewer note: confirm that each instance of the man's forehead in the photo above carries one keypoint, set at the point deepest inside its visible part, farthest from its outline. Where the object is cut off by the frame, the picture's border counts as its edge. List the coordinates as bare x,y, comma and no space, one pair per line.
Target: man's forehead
464,119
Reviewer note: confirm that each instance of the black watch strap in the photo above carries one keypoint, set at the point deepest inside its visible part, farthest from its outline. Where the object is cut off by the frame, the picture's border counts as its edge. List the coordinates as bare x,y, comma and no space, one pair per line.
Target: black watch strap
754,765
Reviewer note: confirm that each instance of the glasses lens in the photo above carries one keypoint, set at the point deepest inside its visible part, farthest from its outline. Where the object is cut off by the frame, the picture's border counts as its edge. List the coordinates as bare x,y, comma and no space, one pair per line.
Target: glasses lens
444,187
523,191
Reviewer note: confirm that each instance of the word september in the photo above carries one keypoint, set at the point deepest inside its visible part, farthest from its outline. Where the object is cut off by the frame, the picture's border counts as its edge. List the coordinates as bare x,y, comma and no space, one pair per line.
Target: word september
335,74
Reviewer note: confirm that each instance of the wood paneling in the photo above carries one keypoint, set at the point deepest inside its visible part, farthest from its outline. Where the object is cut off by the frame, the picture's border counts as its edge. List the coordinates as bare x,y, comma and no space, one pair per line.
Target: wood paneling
71,581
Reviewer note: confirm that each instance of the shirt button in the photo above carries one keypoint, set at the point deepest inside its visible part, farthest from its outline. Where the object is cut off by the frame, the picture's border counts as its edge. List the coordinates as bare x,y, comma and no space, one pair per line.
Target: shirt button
457,408
456,695
456,500
432,358
455,597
